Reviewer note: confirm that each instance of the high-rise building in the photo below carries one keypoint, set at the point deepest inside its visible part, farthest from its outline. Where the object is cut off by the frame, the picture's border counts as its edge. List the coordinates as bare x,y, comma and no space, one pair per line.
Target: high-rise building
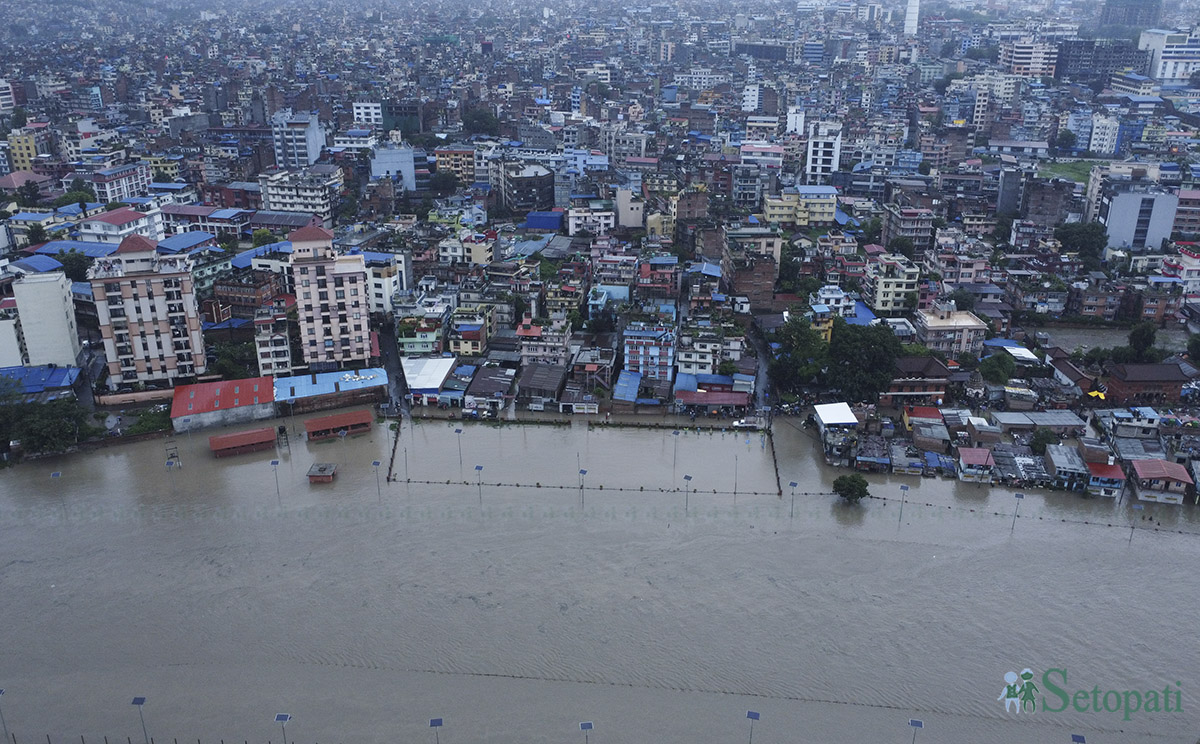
1141,13
149,320
1174,55
47,315
331,300
912,15
823,156
297,137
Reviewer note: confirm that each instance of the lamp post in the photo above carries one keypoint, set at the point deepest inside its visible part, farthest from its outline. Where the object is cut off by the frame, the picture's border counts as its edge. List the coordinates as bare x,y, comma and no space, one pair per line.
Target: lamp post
378,490
753,716
1019,498
2,721
63,498
687,491
278,495
582,484
585,727
459,433
1133,525
675,458
903,498
792,511
139,702
735,474
479,482
282,719
916,723
435,724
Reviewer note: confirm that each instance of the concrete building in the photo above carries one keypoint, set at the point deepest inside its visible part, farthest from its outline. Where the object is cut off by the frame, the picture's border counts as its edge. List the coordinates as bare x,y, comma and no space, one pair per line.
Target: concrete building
949,330
297,138
1029,58
912,17
1174,55
916,224
649,350
47,316
1138,219
272,341
331,301
148,315
890,279
313,191
113,227
823,151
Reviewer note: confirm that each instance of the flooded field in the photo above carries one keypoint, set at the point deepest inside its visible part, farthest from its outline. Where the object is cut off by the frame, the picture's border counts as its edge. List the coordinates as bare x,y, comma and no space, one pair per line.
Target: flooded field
656,608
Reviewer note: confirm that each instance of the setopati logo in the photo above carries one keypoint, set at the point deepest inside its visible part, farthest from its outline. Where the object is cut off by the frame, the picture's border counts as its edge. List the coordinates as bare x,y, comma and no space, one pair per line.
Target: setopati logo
1020,695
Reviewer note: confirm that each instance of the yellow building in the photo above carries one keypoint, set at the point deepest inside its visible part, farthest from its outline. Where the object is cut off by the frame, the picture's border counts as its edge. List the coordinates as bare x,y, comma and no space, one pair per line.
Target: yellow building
459,160
169,166
26,144
802,206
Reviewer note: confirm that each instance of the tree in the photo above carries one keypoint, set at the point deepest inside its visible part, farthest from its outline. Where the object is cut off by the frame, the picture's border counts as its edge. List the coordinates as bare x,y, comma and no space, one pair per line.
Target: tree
963,300
111,206
160,176
443,183
862,360
75,265
228,242
29,194
1193,348
727,368
924,167
480,121
19,118
1042,437
871,230
998,368
78,184
36,234
263,236
902,245
1065,140
1088,239
74,197
1141,338
801,357
51,427
852,488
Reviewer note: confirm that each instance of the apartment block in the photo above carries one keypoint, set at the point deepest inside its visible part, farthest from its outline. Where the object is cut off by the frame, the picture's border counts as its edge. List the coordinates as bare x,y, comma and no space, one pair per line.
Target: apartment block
331,301
148,315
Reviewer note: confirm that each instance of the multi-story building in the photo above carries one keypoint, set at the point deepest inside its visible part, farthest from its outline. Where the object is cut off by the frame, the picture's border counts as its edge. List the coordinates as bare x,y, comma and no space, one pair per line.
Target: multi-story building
823,154
459,160
914,223
545,341
245,291
1185,266
297,138
951,331
1137,217
148,316
1174,55
115,226
890,279
389,274
118,183
313,191
45,317
25,144
331,301
1187,214
469,329
835,299
368,113
649,349
1029,58
802,206
659,277
525,187
1090,59
273,332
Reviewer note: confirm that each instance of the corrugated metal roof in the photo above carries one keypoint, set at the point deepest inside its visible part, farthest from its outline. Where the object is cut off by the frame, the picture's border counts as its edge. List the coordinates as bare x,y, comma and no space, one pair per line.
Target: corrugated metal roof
206,397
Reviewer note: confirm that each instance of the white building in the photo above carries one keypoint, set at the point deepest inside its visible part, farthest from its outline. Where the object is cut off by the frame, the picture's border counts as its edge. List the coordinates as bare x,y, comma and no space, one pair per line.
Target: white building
368,113
1174,55
47,317
912,17
297,137
115,226
331,301
1105,130
7,102
795,120
313,190
823,152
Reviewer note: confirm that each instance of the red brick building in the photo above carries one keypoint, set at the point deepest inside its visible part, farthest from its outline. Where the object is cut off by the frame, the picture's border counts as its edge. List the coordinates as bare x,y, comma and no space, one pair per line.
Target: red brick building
1145,384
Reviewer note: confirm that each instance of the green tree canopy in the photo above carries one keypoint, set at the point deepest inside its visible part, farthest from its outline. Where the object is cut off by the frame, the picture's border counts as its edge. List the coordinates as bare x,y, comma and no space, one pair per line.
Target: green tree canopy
1141,338
862,360
36,234
902,245
443,183
852,488
998,368
75,265
29,194
480,121
74,197
1042,437
51,427
1193,348
801,357
78,184
1088,239
19,118
963,300
1065,140
263,236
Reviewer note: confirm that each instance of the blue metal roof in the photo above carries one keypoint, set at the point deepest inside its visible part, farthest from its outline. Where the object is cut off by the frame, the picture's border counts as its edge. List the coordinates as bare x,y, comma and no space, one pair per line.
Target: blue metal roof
627,386
664,260
81,288
243,259
226,324
862,314
89,249
326,383
72,210
37,264
225,214
38,379
465,370
685,381
32,216
714,379
157,186
184,241
467,327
